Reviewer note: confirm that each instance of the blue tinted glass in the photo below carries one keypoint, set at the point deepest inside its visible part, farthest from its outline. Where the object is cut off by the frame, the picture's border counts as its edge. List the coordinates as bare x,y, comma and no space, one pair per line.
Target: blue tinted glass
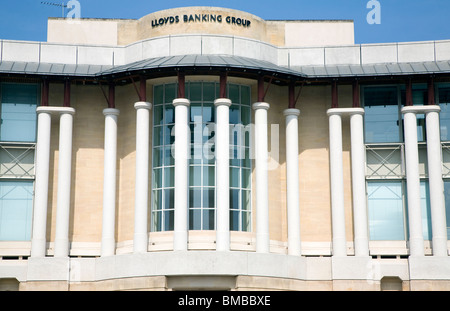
195,219
381,115
447,205
233,93
426,210
18,112
234,220
209,92
170,92
208,219
444,103
16,208
195,197
195,91
158,96
208,113
234,114
385,207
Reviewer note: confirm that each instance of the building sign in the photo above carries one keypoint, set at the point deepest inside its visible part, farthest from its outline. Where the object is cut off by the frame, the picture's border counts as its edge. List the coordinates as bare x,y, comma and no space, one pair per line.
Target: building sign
201,18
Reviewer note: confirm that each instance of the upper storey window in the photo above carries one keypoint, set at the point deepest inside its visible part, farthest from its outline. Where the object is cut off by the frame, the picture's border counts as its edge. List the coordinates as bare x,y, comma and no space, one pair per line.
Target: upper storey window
381,115
202,169
18,104
18,112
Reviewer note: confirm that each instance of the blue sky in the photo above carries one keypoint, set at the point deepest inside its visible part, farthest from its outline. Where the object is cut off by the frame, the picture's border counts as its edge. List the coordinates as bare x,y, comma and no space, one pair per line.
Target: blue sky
401,20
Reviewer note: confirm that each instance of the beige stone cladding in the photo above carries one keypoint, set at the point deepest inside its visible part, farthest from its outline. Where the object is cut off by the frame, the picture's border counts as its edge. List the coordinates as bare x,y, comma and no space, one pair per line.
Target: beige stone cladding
87,166
200,20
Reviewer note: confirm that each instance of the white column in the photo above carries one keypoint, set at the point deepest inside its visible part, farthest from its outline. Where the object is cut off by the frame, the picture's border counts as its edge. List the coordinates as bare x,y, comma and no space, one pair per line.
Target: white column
292,182
436,183
222,174
182,151
64,182
413,182
142,168
109,182
358,158
38,241
337,183
262,189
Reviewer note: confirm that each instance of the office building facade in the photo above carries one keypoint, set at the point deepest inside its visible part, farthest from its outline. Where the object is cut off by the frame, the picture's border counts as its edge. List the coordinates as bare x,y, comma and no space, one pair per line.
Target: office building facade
207,148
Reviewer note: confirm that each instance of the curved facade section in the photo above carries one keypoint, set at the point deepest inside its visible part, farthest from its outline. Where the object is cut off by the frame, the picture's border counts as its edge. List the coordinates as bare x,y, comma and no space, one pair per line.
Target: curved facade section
202,160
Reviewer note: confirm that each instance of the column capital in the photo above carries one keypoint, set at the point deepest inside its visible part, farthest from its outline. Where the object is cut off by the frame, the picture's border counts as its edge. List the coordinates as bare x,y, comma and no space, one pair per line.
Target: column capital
111,111
345,111
181,102
291,112
222,102
57,110
261,105
143,105
421,109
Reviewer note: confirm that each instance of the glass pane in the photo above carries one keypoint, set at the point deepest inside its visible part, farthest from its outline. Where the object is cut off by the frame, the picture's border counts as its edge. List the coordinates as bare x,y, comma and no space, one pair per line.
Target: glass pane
234,220
168,156
245,115
158,136
234,199
447,205
234,114
158,156
208,197
444,103
195,91
196,154
233,93
158,115
195,219
426,210
169,199
246,221
209,92
247,162
196,112
157,178
209,153
195,176
169,134
208,219
208,176
157,199
158,94
208,113
18,112
170,93
16,208
235,156
385,208
195,197
168,220
169,177
246,200
381,115
234,177
246,178
245,95
157,221
169,114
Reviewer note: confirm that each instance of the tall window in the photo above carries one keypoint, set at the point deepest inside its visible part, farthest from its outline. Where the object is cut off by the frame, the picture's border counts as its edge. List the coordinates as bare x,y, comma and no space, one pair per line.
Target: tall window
202,174
17,145
386,174
444,104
